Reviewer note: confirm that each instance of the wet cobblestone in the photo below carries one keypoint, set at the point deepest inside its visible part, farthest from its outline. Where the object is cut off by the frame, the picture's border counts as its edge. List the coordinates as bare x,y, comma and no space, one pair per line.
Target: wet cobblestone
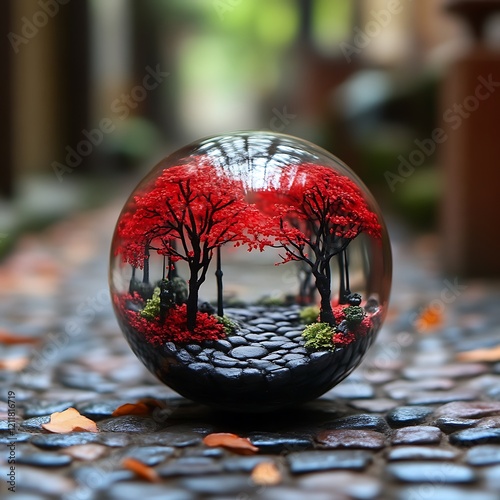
411,422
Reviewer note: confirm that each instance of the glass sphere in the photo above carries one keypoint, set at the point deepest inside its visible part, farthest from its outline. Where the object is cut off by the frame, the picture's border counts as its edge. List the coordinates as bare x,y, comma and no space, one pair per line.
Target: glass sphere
250,271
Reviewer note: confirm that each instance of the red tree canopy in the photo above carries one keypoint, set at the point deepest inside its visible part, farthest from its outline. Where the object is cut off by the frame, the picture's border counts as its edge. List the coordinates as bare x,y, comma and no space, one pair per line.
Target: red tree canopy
317,210
196,206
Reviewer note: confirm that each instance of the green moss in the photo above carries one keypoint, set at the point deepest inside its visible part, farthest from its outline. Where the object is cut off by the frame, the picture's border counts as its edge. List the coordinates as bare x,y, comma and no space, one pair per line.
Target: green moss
354,315
269,301
319,336
309,314
152,308
229,325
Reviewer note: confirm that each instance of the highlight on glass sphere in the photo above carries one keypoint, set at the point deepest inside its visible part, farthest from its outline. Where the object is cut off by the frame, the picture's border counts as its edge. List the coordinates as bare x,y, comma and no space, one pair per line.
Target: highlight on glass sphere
250,271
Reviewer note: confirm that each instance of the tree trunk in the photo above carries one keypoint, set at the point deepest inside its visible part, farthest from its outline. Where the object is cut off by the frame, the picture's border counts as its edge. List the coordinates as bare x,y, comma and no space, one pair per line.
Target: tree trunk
145,272
346,267
340,258
218,275
192,300
172,267
323,284
306,288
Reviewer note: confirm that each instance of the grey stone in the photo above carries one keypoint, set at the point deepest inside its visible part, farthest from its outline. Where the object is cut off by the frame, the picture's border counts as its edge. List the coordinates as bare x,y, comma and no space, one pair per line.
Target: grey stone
150,455
128,423
44,459
269,442
420,453
431,472
41,408
483,455
360,421
440,492
166,438
351,438
473,437
313,461
34,424
140,489
408,415
452,424
223,345
220,484
248,352
54,441
190,466
236,340
418,434
476,409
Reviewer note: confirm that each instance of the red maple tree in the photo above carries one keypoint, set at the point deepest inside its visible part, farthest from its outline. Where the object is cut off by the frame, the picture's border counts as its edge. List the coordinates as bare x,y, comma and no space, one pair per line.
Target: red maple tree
319,212
190,211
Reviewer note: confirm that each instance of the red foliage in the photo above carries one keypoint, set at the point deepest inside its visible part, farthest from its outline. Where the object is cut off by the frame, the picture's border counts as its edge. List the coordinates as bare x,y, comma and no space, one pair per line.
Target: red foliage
317,208
360,330
341,339
195,204
175,327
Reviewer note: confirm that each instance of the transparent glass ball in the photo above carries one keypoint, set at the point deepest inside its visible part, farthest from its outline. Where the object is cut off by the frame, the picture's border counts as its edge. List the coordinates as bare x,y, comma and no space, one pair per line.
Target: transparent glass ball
250,271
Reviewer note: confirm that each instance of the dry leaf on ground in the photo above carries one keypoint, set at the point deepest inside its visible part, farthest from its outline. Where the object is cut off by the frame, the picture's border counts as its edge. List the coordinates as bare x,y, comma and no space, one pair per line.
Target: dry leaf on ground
69,420
232,442
478,355
144,406
428,319
266,474
14,364
141,470
13,339
131,409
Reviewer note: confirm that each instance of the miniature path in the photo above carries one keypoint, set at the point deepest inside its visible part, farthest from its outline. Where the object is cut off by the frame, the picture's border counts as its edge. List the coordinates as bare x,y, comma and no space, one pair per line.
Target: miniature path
412,422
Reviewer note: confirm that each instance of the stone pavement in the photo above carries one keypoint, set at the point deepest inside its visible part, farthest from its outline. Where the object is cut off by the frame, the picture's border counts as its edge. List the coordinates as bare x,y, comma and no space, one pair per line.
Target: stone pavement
413,422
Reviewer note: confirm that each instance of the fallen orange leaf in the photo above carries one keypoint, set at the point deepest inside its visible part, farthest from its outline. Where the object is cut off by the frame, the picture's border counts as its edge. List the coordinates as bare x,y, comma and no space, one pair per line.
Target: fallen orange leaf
492,354
428,319
266,474
85,452
12,338
14,364
69,420
141,470
235,443
152,403
131,409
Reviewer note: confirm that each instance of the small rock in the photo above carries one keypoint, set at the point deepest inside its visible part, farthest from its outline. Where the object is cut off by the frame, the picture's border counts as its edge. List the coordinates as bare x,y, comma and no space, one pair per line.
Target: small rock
312,461
41,408
54,441
220,485
420,453
44,459
361,421
35,423
418,434
476,409
140,489
408,415
276,443
351,438
248,352
151,455
128,423
473,437
351,484
439,492
483,455
452,424
431,472
352,390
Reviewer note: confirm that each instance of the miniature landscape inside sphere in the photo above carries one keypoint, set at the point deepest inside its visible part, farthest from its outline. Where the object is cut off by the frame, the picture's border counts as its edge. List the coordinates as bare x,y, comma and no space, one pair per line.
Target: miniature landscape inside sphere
250,271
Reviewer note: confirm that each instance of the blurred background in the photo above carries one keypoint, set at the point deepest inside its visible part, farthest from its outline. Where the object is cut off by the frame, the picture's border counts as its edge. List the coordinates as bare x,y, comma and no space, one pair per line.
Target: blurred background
95,92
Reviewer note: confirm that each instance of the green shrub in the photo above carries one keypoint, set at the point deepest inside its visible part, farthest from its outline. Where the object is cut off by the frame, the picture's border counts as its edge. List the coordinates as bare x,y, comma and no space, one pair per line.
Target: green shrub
152,308
309,314
319,336
354,315
229,325
269,301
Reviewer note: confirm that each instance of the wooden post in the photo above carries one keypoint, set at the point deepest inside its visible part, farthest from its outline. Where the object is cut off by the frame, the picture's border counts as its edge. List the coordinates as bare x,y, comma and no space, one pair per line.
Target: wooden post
470,113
